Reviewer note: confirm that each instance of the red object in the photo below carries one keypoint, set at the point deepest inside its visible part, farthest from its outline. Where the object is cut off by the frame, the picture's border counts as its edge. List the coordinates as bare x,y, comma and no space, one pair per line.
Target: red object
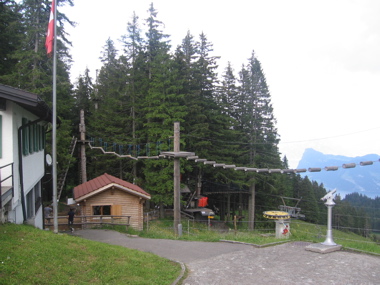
50,31
203,202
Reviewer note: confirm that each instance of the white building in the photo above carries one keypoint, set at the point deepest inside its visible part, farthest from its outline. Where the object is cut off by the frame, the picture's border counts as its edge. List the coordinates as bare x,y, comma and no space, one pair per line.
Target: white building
24,119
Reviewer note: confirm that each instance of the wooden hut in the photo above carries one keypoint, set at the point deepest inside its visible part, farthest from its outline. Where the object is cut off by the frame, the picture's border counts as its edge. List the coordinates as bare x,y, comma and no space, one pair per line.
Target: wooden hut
107,197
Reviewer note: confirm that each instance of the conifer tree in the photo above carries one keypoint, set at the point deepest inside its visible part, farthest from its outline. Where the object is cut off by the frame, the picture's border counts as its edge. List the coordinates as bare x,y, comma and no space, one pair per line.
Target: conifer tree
163,106
84,92
133,60
31,68
108,115
11,32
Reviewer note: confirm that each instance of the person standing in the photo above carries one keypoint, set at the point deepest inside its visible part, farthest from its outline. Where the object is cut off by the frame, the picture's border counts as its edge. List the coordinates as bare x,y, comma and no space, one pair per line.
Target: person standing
47,212
71,214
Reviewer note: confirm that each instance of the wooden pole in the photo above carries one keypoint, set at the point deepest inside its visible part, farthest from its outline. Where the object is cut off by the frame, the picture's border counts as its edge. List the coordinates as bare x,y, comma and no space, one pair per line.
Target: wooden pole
251,207
177,198
82,130
228,206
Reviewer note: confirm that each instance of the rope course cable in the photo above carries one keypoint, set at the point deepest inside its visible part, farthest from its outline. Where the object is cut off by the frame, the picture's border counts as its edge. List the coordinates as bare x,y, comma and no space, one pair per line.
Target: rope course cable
132,151
145,153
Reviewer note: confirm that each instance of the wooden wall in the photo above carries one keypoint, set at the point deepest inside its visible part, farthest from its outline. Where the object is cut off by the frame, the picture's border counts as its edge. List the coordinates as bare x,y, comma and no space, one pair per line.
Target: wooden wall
131,205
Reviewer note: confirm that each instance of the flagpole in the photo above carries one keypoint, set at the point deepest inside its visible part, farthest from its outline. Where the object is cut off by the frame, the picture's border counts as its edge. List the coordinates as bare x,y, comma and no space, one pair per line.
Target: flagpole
54,121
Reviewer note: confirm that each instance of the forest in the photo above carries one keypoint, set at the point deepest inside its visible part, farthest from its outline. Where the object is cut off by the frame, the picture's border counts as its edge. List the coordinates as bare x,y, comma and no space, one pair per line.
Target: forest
138,94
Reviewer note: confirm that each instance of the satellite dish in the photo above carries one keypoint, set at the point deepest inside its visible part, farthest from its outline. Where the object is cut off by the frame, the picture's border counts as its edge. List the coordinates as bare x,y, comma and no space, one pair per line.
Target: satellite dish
48,159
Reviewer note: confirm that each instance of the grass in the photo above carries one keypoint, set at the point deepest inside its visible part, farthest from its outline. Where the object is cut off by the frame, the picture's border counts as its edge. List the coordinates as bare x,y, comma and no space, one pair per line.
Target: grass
300,231
32,256
316,233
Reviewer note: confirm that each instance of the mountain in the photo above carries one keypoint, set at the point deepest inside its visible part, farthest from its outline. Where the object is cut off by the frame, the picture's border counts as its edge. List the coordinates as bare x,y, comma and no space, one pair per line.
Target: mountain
361,179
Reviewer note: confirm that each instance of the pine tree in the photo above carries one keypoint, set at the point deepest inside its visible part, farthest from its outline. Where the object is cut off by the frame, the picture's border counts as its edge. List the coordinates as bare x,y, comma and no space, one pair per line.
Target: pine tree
309,202
163,106
11,32
84,92
256,117
108,115
32,69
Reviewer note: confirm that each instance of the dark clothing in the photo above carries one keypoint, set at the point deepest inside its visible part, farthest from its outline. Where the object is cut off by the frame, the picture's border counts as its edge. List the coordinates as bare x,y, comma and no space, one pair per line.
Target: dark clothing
47,211
71,214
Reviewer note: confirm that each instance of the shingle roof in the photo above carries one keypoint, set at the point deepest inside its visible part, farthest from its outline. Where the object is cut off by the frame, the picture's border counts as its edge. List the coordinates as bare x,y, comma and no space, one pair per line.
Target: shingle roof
101,182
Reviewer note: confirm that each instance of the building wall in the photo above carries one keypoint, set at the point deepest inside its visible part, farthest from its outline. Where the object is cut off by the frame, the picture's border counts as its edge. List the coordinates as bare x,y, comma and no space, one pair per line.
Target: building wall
131,205
33,164
7,142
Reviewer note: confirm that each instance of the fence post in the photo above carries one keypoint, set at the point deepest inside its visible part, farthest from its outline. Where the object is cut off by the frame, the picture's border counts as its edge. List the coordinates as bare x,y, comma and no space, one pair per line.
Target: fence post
147,222
235,226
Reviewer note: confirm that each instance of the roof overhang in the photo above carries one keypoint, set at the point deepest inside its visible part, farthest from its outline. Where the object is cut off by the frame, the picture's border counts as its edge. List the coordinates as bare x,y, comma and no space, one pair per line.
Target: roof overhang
104,188
29,101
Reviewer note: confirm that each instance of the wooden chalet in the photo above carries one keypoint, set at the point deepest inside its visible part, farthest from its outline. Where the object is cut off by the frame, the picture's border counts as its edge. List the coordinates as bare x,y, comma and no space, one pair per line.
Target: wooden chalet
107,195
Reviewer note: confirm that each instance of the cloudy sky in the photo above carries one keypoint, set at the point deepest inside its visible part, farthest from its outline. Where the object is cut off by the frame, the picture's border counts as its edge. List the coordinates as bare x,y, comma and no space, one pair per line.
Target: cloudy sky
321,59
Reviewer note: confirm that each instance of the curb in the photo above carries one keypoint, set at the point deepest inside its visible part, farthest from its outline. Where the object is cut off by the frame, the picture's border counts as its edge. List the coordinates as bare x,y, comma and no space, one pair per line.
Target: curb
255,245
183,269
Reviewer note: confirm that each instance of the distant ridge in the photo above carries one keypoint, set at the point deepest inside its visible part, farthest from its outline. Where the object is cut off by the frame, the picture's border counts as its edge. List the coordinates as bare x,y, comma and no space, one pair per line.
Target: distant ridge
361,179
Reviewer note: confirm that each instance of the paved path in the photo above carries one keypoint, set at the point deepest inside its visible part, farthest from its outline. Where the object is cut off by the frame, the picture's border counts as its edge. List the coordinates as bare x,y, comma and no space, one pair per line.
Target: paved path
225,263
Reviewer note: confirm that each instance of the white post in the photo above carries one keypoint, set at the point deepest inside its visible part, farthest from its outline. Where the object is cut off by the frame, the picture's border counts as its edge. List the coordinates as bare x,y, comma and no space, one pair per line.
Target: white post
54,123
329,204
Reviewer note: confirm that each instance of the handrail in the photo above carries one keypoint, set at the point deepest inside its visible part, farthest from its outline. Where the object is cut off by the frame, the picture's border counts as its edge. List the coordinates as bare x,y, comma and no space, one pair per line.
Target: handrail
1,167
6,178
6,165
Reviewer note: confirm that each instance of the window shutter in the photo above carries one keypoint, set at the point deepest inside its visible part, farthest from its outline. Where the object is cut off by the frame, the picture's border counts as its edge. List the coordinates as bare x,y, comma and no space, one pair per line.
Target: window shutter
31,138
35,138
25,138
43,134
116,210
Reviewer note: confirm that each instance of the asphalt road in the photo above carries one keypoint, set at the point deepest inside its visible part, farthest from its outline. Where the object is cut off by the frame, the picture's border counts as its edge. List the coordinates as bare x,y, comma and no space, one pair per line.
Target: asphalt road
226,263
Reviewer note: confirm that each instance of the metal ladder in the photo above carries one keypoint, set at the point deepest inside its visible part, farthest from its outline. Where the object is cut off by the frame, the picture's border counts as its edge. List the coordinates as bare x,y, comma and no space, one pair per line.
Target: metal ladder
62,176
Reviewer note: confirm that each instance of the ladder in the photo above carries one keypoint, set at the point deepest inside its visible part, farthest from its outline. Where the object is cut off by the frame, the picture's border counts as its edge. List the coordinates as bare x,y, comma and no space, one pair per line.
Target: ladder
62,176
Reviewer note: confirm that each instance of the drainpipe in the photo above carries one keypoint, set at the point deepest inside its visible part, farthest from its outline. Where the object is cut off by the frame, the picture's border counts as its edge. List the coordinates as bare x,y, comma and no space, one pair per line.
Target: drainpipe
20,168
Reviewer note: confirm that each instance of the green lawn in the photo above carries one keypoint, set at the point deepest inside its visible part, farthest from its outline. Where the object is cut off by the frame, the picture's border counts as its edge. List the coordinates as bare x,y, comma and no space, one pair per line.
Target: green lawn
32,256
300,231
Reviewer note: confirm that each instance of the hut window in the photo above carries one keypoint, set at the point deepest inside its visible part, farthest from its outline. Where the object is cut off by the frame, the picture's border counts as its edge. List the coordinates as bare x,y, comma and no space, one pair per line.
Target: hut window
101,210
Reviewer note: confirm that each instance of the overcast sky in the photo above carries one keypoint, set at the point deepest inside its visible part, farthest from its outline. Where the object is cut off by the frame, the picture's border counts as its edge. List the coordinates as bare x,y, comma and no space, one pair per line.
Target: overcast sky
321,59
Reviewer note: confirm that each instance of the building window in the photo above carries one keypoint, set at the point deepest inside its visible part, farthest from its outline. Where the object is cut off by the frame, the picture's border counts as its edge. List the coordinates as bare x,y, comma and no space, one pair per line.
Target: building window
30,204
33,138
33,200
101,210
37,197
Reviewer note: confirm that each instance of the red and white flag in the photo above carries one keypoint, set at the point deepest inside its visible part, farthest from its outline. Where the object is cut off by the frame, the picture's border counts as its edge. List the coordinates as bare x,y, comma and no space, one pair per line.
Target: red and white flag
50,31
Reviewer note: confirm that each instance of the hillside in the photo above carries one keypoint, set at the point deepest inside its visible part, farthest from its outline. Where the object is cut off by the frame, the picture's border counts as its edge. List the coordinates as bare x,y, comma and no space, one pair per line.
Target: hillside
32,256
361,179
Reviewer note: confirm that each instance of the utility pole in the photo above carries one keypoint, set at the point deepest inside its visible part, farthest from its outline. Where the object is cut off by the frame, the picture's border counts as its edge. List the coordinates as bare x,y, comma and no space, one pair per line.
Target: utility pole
177,194
177,154
251,206
82,130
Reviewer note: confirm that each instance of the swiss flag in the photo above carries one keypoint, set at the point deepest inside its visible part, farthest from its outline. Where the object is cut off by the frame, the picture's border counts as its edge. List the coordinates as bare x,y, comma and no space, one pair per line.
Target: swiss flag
50,31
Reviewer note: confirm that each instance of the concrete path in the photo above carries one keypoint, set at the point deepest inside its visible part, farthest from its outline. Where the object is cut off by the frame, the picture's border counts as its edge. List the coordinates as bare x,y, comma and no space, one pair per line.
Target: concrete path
226,263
